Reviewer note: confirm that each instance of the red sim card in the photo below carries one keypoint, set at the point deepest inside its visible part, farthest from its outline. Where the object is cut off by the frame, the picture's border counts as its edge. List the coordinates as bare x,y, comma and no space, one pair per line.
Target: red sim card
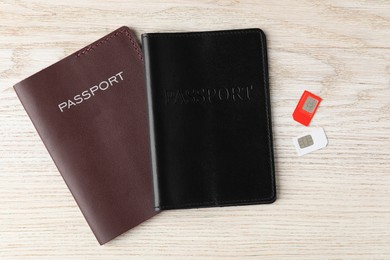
306,108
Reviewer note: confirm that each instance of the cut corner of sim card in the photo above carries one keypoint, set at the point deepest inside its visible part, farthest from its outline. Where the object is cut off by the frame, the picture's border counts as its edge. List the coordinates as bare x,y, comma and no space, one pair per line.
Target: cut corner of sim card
311,141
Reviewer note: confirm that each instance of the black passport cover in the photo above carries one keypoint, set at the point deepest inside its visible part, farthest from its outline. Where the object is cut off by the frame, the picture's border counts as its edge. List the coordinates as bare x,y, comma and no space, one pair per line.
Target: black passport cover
209,116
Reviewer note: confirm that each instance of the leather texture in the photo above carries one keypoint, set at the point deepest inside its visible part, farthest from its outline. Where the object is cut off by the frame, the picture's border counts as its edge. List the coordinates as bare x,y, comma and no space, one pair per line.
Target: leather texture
210,119
101,145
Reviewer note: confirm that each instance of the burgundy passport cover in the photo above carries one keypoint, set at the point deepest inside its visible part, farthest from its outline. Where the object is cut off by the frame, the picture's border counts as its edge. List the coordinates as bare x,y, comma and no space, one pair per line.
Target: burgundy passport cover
90,111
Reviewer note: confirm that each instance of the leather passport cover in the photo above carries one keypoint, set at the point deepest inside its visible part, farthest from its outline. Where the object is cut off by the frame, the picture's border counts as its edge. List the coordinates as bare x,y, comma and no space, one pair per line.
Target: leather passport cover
210,120
90,110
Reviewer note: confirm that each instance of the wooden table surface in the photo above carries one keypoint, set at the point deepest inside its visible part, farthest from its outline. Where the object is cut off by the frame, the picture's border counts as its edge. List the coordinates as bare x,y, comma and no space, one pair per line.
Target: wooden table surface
332,204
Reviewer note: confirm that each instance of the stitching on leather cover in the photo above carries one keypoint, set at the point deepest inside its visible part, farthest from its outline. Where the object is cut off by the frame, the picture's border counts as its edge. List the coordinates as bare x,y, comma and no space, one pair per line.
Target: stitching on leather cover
109,37
201,34
267,105
215,203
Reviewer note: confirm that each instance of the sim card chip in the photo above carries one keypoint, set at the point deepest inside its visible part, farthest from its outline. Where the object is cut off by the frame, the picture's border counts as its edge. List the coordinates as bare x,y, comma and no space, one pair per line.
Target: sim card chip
305,141
310,104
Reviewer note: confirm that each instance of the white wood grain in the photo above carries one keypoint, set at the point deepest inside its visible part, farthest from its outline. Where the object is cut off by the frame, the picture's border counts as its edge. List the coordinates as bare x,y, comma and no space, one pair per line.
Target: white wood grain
332,204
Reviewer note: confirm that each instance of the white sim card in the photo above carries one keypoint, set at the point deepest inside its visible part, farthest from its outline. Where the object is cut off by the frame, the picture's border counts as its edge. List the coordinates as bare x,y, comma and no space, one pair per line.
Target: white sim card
310,142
